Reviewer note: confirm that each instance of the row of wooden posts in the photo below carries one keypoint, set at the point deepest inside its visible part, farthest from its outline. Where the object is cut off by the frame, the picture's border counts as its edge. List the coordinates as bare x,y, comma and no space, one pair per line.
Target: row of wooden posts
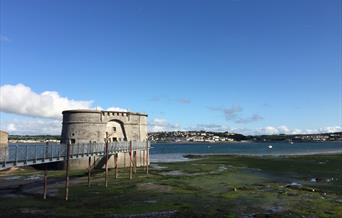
132,166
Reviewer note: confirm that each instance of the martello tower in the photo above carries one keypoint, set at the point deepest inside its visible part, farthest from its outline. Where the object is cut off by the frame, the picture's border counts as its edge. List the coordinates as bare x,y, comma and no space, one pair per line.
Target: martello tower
92,126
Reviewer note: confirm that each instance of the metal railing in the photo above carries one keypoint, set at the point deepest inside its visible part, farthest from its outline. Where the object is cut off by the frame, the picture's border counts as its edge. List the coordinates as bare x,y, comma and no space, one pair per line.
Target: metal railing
30,154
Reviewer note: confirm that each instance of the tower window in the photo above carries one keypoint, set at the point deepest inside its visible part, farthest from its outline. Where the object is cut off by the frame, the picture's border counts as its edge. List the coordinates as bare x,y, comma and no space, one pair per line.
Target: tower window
114,129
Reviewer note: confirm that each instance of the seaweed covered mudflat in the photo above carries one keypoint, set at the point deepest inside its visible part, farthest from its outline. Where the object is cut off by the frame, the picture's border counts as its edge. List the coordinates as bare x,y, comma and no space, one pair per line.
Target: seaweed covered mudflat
207,186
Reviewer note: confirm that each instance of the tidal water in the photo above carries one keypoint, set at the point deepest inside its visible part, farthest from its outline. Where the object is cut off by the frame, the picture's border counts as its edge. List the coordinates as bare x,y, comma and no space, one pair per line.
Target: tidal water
175,152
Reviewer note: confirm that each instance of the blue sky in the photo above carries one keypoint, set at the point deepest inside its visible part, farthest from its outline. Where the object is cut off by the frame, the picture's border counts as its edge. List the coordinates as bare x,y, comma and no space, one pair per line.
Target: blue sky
250,66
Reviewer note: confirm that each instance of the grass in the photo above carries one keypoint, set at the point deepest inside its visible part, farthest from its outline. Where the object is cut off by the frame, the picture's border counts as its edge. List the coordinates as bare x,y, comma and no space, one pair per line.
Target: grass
212,186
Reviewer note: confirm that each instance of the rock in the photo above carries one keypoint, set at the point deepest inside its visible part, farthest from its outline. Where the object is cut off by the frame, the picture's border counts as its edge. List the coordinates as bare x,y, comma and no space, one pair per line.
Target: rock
294,185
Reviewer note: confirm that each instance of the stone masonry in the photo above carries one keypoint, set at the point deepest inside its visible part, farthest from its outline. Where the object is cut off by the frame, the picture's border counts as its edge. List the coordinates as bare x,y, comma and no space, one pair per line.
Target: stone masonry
92,126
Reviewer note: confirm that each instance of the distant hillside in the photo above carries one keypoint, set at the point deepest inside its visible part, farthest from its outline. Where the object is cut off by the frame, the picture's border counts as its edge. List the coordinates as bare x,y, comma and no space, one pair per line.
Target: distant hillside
40,138
203,136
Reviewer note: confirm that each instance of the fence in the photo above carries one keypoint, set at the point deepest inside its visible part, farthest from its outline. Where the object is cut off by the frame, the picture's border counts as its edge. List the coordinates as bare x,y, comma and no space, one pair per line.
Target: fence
30,154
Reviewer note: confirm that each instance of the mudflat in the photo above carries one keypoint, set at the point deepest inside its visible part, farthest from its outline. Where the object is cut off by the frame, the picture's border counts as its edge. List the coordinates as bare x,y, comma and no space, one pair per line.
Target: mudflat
206,186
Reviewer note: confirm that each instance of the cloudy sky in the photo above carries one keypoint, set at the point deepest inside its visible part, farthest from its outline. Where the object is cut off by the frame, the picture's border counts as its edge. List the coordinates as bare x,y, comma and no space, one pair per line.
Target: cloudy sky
253,67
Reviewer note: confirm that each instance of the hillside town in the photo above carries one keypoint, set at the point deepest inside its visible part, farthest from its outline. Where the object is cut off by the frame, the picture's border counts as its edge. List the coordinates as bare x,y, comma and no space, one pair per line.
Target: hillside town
195,136
226,137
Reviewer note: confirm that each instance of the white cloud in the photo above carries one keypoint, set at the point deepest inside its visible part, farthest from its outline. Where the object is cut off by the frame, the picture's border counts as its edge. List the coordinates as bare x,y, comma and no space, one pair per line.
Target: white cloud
210,128
253,118
330,129
117,109
233,113
10,127
271,130
162,125
20,99
32,127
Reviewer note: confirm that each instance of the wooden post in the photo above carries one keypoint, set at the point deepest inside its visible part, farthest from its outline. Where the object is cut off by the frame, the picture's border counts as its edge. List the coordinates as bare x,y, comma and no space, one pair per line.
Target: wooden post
124,161
67,172
130,160
147,157
116,156
106,163
89,171
135,161
45,182
144,158
114,159
141,158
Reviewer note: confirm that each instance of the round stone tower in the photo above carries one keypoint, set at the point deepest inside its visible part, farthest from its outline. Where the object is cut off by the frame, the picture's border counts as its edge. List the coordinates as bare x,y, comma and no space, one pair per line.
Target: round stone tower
92,126
84,126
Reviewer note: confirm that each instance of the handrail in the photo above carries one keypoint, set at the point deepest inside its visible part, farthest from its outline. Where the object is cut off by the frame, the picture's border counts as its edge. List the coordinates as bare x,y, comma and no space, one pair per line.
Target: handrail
30,154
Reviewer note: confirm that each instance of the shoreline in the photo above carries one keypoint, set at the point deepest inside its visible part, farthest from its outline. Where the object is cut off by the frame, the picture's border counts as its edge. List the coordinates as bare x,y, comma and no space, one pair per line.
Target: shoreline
269,155
182,157
328,153
238,142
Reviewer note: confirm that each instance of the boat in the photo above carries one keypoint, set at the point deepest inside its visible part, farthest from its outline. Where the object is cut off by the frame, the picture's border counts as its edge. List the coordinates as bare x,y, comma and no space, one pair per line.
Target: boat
270,146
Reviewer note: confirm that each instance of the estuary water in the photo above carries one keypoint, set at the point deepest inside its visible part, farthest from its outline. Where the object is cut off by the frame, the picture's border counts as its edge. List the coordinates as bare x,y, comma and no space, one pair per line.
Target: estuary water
175,152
